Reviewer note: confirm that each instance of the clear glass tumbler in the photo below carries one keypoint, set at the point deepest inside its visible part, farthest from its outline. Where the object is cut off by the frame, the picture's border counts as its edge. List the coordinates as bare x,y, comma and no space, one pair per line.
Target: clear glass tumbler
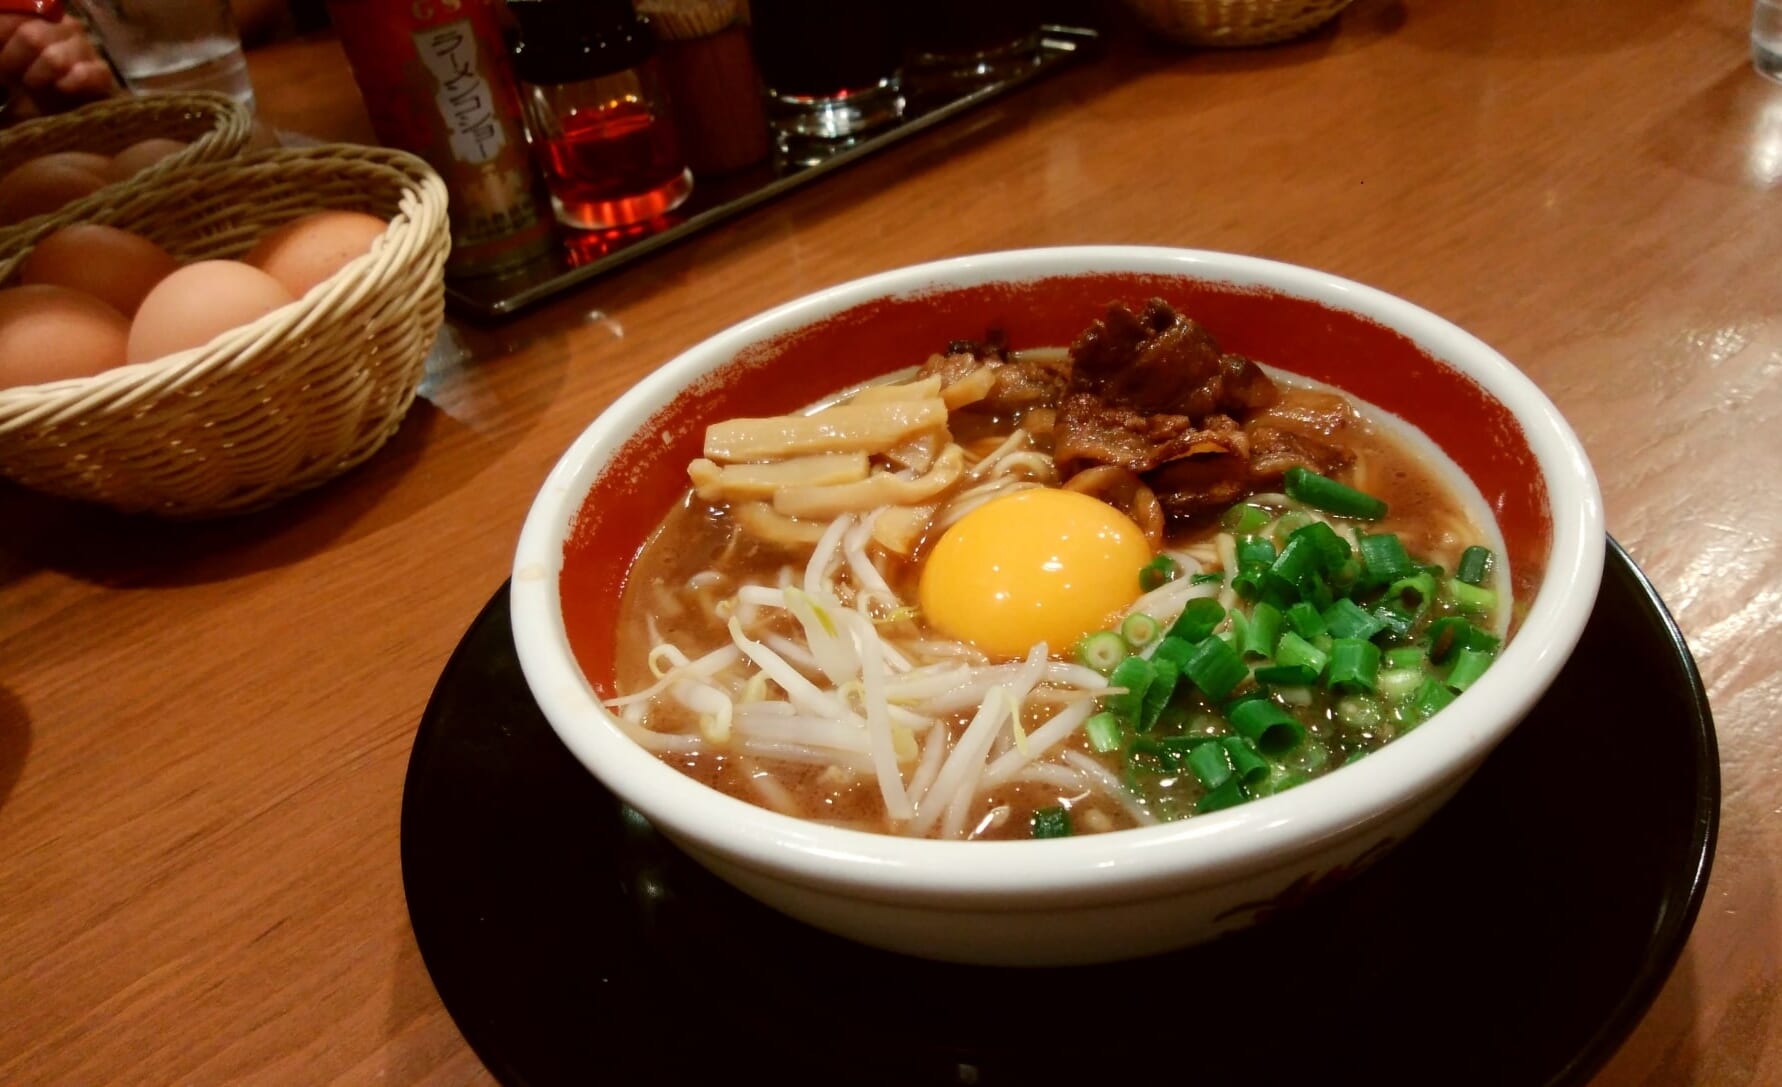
831,71
161,46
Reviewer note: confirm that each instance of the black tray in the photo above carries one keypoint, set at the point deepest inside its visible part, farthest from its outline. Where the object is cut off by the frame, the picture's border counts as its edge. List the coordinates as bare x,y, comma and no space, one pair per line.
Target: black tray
581,255
1516,939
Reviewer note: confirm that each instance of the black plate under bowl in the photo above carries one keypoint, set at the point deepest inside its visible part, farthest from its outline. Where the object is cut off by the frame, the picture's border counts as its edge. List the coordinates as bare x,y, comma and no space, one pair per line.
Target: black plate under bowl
1516,939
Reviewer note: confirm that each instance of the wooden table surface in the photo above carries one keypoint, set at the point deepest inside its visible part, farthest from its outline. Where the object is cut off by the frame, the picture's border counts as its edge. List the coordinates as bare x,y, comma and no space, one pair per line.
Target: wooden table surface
204,727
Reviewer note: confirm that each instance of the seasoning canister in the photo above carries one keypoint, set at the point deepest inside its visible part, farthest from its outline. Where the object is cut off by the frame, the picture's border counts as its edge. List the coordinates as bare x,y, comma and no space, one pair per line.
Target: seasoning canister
708,64
436,82
597,112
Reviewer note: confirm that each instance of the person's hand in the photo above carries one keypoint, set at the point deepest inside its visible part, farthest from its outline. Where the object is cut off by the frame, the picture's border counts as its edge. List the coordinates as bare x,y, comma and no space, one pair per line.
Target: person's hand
55,63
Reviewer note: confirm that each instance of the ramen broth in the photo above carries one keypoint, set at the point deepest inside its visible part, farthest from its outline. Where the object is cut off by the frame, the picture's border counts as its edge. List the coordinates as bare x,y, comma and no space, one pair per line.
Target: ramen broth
682,592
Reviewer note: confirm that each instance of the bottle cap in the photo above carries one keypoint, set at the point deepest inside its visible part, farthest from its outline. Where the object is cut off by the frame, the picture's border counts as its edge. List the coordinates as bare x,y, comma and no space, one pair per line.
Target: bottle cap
566,41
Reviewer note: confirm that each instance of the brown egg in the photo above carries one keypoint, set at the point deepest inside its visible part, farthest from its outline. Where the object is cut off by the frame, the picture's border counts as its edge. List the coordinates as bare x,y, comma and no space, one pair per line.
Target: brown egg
115,266
140,155
303,252
48,333
85,160
43,184
195,303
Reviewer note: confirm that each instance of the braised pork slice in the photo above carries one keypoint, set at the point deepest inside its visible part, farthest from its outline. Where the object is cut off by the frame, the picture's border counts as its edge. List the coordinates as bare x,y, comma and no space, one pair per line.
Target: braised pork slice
1153,392
1189,468
1163,363
1019,385
1305,427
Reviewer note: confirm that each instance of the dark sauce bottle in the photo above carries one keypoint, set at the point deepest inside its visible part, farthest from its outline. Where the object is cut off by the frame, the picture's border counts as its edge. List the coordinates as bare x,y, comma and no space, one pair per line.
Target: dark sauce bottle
596,113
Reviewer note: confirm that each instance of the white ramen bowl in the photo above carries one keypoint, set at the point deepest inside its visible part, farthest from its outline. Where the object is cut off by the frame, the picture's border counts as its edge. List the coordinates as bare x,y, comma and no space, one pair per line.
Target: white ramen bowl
1129,893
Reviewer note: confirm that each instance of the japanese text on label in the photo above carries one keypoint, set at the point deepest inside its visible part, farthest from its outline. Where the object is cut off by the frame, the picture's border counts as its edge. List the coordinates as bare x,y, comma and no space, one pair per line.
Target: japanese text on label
465,99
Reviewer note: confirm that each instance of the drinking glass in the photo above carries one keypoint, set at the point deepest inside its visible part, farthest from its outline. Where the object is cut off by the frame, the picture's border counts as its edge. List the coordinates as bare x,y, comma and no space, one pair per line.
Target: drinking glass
161,46
830,70
959,45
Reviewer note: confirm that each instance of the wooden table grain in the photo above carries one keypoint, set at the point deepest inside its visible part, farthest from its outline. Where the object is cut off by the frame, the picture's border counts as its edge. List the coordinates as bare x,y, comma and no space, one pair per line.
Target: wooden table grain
204,727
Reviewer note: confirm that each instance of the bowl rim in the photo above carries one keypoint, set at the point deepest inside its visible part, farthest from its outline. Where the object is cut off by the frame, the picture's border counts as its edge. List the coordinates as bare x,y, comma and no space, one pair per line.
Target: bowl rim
1267,832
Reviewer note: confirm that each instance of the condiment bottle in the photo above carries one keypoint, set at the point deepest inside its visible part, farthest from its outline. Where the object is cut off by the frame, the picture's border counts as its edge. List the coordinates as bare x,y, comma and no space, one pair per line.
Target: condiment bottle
596,112
436,82
713,83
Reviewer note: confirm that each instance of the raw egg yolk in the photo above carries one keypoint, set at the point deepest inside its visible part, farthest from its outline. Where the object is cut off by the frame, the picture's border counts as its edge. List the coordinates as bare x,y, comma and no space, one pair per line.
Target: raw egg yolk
1039,565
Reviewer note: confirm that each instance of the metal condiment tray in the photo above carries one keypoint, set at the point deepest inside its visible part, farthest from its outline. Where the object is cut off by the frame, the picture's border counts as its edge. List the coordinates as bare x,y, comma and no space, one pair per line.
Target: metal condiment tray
580,256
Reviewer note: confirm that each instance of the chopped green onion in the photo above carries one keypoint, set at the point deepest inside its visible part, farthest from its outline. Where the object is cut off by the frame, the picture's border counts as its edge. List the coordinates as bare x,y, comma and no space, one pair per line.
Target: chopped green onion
1451,633
1177,748
1197,620
1332,549
1150,756
1248,581
1306,621
1279,780
1393,619
1211,577
1309,757
1324,493
1174,650
1135,674
1103,732
1413,594
1051,823
1287,675
1255,549
1346,620
1271,728
1157,694
1384,559
1139,630
1294,651
1158,571
1430,699
1471,598
1210,763
1263,631
1244,519
1475,565
1216,668
1102,651
1359,712
1298,560
1354,665
1398,684
1227,795
1249,766
1404,656
1469,665
1287,524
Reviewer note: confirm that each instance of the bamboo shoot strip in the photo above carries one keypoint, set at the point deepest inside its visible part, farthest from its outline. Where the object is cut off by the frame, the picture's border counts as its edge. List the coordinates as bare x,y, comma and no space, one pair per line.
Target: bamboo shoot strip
845,428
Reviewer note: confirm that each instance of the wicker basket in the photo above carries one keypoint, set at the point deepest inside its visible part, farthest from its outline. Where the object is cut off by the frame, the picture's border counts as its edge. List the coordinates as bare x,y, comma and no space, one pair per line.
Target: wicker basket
1234,22
276,406
214,125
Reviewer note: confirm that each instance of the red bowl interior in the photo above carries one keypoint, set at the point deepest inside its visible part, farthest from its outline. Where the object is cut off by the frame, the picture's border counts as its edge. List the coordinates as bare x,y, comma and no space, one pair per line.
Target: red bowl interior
1343,349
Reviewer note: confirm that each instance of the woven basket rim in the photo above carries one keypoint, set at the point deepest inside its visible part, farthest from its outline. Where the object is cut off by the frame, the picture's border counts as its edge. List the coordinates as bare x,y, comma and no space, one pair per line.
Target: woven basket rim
420,218
1234,22
229,130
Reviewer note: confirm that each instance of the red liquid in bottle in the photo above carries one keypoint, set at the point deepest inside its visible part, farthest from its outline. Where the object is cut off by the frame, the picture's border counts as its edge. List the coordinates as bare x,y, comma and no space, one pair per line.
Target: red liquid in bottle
615,165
